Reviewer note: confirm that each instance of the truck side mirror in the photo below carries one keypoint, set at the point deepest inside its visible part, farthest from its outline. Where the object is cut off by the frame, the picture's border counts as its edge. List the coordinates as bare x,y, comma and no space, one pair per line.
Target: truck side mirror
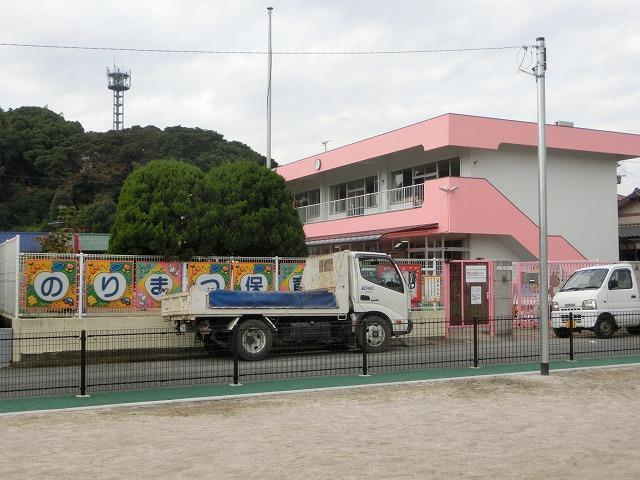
613,284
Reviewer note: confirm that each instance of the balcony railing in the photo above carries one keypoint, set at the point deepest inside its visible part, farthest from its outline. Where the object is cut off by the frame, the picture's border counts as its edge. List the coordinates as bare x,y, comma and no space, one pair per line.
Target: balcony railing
379,202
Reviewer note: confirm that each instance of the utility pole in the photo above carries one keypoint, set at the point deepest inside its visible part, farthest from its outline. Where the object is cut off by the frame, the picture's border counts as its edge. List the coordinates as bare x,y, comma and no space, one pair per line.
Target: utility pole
269,9
540,69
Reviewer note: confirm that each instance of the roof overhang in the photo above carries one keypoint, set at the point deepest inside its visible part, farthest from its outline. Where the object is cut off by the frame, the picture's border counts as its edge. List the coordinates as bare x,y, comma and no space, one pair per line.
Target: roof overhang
388,234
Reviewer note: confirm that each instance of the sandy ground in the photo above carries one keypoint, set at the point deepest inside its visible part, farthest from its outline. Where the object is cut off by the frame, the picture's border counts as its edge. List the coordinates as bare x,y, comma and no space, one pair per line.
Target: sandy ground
580,424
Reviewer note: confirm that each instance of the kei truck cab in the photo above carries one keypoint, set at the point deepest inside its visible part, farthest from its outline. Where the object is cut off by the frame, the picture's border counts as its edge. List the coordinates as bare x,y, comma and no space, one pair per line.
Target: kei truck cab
601,298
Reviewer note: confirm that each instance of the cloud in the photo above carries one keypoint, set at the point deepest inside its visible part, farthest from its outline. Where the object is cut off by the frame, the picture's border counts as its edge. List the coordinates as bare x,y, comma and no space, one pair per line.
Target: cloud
592,78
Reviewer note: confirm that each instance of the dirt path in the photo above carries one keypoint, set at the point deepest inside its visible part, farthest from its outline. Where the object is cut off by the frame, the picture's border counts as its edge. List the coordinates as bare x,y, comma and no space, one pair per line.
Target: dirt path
583,425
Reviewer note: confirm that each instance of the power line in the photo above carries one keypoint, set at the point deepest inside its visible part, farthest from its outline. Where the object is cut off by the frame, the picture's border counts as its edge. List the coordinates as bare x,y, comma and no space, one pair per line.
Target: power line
257,52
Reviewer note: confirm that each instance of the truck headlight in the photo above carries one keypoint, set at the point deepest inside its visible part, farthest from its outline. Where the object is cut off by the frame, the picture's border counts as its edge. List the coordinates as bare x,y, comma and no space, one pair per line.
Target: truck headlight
589,304
555,307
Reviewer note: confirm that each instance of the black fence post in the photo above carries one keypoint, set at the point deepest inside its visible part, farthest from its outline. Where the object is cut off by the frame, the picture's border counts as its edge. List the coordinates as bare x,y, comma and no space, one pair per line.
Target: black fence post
363,337
83,362
234,349
571,351
475,342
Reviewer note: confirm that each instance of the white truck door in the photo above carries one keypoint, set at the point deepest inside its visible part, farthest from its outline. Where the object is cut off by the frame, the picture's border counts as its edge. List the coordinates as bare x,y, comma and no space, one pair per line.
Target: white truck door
380,287
622,296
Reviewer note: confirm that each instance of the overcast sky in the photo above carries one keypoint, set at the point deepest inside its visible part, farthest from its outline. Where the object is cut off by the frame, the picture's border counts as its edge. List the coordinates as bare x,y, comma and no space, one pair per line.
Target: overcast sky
593,76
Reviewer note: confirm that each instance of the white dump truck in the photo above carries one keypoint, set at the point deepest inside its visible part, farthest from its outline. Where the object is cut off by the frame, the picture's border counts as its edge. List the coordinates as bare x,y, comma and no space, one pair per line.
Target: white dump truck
340,291
602,298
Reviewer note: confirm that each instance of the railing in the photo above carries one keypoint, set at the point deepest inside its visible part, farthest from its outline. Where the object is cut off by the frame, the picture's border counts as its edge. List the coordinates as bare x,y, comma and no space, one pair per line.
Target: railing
379,202
84,362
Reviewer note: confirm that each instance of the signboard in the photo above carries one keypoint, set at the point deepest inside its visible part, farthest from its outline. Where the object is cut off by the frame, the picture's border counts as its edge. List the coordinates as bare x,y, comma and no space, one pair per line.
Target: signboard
253,277
207,276
51,285
476,295
433,288
109,284
153,280
290,277
475,273
413,277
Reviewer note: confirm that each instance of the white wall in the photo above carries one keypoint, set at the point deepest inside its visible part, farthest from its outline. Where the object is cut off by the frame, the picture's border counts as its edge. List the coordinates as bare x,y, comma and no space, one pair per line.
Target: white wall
497,247
581,193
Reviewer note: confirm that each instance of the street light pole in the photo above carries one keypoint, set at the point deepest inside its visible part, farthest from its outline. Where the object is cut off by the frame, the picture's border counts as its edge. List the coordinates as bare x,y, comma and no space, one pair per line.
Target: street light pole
541,68
269,9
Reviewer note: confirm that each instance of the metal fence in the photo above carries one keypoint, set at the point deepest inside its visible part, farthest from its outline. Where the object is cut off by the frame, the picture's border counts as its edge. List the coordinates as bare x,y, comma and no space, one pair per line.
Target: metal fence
526,294
91,361
9,266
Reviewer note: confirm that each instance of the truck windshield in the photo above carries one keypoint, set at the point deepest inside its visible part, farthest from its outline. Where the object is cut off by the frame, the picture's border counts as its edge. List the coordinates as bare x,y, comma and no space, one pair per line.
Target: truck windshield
381,271
585,279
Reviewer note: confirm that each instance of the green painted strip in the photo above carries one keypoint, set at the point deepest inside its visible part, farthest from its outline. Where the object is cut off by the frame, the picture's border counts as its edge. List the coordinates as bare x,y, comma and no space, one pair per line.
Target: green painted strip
261,387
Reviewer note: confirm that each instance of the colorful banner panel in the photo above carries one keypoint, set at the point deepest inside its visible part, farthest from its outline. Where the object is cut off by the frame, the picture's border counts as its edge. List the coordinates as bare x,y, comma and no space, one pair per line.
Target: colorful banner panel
207,276
413,277
51,285
154,279
109,284
253,277
290,277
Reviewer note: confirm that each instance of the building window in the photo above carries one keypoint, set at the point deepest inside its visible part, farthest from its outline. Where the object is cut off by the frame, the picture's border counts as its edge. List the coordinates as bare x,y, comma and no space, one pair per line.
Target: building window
352,197
308,204
418,175
303,199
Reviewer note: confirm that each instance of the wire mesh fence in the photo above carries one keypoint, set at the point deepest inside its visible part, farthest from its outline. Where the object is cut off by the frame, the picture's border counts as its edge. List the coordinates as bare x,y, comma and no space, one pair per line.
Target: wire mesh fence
93,361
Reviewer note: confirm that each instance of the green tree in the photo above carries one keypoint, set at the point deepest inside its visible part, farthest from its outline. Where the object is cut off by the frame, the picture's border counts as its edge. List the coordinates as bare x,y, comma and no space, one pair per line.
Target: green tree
59,239
250,212
159,211
47,162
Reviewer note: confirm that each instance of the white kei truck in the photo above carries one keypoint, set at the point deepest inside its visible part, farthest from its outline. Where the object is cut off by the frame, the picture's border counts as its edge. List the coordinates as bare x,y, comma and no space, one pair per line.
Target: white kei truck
601,298
340,291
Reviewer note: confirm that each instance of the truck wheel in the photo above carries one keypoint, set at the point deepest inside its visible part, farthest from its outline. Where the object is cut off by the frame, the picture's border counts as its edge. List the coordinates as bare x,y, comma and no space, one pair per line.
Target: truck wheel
377,335
605,327
633,330
254,340
562,332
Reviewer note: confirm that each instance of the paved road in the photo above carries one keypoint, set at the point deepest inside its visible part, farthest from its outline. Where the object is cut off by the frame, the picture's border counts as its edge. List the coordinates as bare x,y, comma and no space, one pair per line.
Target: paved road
405,354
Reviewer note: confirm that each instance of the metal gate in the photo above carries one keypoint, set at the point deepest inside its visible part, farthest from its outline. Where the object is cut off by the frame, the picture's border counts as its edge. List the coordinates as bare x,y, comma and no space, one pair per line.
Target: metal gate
469,288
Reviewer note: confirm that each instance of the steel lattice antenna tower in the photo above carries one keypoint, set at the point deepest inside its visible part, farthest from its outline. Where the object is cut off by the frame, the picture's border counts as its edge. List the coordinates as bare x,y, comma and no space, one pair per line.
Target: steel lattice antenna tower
119,82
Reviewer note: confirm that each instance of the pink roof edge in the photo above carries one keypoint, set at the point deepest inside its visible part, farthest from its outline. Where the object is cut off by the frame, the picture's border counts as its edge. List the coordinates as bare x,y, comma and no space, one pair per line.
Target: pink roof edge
453,129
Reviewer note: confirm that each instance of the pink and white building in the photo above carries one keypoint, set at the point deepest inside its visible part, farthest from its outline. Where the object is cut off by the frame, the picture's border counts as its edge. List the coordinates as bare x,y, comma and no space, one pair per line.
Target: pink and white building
464,187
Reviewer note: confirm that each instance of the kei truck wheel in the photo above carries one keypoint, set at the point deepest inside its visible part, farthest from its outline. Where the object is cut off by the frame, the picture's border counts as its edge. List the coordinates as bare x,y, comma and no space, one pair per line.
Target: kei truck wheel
605,327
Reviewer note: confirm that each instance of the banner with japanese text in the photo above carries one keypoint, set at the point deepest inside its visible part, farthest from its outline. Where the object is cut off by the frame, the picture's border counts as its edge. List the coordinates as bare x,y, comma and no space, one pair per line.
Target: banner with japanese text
413,277
209,275
253,277
153,280
109,284
433,289
290,277
51,285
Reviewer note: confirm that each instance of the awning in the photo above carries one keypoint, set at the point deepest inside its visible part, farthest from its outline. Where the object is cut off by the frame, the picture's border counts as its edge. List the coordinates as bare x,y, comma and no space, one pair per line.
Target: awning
334,240
629,231
388,233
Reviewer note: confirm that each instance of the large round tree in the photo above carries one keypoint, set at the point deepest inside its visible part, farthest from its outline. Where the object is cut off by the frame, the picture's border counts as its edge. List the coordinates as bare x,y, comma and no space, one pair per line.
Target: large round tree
159,211
249,212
